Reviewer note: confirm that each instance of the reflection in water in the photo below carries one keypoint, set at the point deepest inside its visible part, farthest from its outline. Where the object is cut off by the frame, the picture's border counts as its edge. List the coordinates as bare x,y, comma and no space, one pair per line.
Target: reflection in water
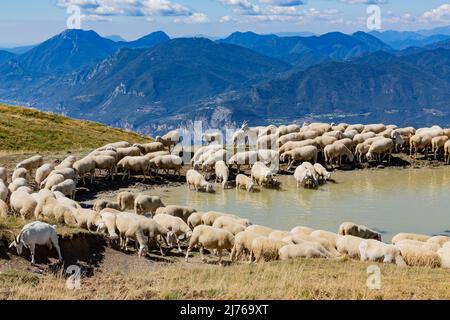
391,200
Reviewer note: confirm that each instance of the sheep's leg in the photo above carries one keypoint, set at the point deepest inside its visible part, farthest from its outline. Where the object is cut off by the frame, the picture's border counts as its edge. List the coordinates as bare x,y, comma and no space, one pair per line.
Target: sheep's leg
201,254
32,251
179,247
187,254
58,249
160,249
220,257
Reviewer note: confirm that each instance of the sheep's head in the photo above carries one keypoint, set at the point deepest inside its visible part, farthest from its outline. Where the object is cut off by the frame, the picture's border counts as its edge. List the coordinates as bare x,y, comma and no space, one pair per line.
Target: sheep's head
327,175
159,139
250,187
143,249
171,239
209,187
17,243
369,156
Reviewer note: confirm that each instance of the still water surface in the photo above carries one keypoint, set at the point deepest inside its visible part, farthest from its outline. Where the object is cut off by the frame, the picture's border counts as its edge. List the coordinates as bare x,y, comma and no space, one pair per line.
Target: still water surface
390,200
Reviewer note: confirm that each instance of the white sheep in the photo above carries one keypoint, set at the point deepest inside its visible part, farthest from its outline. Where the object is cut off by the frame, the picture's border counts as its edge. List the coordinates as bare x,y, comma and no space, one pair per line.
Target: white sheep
209,164
426,245
261,174
265,249
195,219
153,155
337,151
243,158
86,218
43,172
52,180
350,228
222,173
409,236
67,163
210,238
129,228
16,184
322,173
67,187
302,230
101,204
182,212
196,179
379,149
243,244
127,152
243,181
440,240
261,230
444,255
106,162
23,203
377,251
144,204
211,216
85,166
151,147
304,177
307,153
67,173
329,236
19,173
201,151
36,233
305,249
230,224
126,200
176,225
291,145
170,139
135,164
349,245
31,163
418,256
154,231
167,163
419,141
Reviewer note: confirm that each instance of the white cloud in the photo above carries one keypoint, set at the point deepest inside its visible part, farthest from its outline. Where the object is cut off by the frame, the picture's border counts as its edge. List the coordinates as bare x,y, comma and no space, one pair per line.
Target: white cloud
128,7
367,2
226,19
196,18
244,7
283,3
440,14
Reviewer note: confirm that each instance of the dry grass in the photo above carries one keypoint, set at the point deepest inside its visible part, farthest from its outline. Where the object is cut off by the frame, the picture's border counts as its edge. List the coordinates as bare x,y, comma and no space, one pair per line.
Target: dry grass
299,279
24,129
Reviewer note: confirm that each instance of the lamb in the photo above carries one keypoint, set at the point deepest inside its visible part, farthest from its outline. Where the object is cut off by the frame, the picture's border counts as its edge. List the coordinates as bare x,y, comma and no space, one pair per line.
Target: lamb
136,164
43,172
230,224
67,163
151,147
31,163
380,148
128,152
261,174
374,250
305,177
243,158
144,204
212,239
305,249
222,173
322,173
129,228
85,166
3,174
67,187
350,228
177,211
419,141
16,184
195,179
308,153
3,191
265,249
195,219
36,233
101,204
418,256
167,163
349,245
244,181
411,236
105,162
126,200
300,230
170,139
19,173
23,203
337,151
243,244
261,230
4,209
176,225
53,180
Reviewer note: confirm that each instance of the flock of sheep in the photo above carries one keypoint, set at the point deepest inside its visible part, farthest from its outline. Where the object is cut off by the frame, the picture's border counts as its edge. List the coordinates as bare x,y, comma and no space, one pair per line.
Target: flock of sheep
148,223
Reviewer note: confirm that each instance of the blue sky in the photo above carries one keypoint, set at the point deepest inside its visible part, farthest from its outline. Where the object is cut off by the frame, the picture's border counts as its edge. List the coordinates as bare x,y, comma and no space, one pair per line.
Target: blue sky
31,21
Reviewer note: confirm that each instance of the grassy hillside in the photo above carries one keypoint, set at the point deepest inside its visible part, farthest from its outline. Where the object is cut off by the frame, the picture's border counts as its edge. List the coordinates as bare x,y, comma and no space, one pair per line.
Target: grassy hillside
24,129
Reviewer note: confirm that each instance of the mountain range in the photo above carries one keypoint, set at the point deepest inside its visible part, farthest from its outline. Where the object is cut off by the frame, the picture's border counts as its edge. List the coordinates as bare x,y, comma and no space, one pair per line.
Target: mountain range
156,83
